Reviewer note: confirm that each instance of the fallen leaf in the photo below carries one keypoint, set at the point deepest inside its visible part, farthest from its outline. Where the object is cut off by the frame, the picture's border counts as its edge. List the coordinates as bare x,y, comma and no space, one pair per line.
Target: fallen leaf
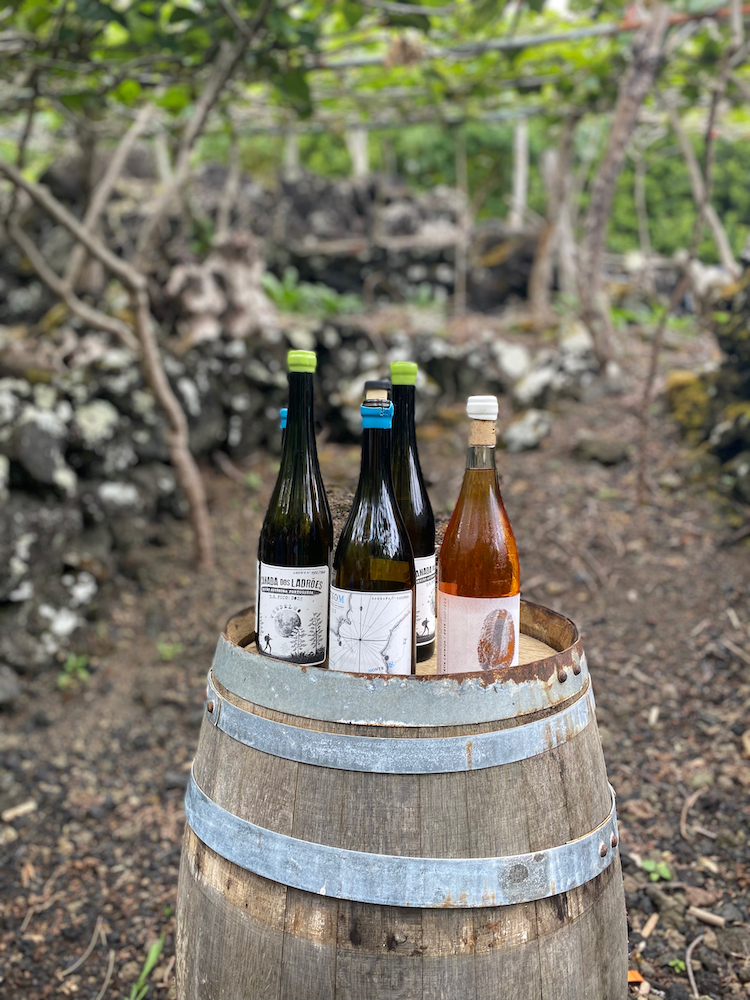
702,897
638,809
634,976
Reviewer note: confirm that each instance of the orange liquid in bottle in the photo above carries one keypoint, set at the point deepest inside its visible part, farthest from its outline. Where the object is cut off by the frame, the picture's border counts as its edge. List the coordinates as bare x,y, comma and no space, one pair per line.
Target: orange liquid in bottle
478,570
479,557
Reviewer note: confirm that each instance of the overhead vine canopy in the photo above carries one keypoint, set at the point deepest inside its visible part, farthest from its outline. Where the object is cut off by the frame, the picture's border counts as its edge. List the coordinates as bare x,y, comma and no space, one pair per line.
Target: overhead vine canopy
88,64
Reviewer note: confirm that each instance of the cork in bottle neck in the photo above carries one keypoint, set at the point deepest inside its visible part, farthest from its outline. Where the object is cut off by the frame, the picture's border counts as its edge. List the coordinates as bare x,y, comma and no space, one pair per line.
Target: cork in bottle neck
483,432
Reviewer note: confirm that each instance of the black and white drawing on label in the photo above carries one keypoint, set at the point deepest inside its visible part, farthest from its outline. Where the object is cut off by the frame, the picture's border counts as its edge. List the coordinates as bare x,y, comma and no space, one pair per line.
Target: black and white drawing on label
371,633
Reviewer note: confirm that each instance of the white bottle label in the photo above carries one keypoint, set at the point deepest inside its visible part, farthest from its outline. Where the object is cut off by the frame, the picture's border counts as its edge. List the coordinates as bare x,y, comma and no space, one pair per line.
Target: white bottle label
425,567
293,612
371,633
477,633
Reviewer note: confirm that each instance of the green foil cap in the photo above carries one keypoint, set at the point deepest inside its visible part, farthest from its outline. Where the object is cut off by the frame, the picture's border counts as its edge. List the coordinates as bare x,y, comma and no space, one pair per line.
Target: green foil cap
403,372
301,361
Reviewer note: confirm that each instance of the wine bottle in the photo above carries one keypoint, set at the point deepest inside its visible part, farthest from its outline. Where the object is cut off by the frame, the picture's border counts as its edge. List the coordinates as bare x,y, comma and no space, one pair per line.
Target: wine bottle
479,599
413,502
282,427
296,540
372,597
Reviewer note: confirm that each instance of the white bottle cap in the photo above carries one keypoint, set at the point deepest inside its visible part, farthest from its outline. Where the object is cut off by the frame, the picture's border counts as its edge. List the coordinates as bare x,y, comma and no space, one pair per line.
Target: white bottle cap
482,407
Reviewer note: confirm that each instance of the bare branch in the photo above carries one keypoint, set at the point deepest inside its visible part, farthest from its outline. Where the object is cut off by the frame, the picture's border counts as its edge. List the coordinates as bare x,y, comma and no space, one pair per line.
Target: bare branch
224,66
735,19
104,189
93,317
177,428
177,432
231,188
645,417
699,193
647,49
241,25
120,268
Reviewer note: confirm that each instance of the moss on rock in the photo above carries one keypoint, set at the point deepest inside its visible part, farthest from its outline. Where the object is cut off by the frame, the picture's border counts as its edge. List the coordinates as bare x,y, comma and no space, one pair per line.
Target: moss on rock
689,402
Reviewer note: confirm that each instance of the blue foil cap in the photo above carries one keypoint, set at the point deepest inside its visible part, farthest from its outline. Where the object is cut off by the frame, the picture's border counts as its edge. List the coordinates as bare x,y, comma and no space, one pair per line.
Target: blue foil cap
282,417
377,416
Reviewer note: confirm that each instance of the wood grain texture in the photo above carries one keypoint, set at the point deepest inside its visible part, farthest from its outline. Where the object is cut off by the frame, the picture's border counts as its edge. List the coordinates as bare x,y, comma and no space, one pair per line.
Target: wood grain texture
243,937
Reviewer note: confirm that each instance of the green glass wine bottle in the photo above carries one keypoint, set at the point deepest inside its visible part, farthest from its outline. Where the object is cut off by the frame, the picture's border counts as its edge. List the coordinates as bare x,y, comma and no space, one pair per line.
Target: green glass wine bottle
413,501
296,540
373,592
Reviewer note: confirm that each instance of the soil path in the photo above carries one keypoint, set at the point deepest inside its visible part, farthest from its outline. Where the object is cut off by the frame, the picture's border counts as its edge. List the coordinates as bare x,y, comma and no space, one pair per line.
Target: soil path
665,613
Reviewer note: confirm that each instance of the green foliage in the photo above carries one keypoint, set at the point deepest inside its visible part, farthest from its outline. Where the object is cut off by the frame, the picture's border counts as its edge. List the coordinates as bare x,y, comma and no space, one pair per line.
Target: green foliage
295,296
670,205
677,966
73,672
253,481
140,987
168,650
657,870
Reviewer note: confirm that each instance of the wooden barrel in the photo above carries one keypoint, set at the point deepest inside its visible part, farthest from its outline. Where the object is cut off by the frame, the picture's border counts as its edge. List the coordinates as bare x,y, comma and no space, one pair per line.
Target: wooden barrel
355,837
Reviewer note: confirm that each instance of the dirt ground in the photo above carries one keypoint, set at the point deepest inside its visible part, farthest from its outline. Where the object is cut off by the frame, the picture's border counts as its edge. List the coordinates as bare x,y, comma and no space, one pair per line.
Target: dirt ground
89,861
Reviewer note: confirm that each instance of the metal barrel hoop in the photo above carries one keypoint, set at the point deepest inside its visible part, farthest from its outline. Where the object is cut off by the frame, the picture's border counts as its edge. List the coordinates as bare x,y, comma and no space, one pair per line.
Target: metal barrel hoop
404,701
392,880
403,755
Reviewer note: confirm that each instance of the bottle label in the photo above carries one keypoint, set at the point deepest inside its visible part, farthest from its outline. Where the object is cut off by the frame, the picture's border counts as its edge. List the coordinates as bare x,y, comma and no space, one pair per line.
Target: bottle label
371,633
477,633
425,567
293,612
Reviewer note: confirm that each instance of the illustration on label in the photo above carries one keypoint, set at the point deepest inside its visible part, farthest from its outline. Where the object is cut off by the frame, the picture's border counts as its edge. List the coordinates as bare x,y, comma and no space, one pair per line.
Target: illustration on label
477,633
425,567
371,633
292,612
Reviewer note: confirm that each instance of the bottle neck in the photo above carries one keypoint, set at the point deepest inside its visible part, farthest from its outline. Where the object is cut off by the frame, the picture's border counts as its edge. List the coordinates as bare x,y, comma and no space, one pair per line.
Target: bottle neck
481,451
299,436
480,456
404,431
375,472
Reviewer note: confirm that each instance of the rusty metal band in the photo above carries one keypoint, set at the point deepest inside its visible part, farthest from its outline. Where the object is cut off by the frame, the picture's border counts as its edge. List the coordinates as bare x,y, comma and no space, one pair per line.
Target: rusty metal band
391,880
375,700
408,755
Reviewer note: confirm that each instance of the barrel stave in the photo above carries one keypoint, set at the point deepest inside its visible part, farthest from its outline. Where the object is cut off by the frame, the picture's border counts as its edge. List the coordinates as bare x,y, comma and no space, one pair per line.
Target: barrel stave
244,937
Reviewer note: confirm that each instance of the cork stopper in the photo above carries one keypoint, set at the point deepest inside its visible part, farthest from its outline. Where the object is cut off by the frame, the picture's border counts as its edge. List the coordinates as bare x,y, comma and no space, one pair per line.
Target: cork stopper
377,389
483,412
483,432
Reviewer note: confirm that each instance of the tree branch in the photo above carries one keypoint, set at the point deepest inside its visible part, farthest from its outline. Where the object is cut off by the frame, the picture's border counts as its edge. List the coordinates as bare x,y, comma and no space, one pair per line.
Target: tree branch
699,192
93,317
177,436
231,188
647,49
121,269
153,370
682,286
224,66
104,189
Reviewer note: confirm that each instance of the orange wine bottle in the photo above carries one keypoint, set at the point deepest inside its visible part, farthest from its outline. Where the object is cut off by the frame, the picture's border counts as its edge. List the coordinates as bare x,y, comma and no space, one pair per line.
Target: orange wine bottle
479,599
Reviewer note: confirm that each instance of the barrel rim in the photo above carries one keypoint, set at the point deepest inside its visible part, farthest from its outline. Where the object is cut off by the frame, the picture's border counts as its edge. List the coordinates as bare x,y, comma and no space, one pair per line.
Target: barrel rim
530,624
431,700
